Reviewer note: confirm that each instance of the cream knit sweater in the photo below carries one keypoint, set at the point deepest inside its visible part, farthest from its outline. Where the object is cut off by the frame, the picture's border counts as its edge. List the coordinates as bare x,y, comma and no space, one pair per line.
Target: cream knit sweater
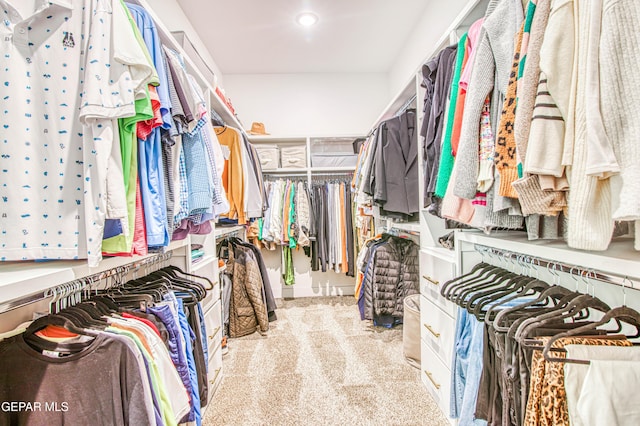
620,100
590,221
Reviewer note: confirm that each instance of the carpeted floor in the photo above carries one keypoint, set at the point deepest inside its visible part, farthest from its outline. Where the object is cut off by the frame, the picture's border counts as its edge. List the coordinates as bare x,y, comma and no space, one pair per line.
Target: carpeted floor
321,365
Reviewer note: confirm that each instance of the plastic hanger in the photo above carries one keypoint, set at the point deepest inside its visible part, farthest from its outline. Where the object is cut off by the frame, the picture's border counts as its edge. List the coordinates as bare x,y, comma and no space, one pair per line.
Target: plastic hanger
60,321
477,269
494,309
622,313
495,278
449,289
569,310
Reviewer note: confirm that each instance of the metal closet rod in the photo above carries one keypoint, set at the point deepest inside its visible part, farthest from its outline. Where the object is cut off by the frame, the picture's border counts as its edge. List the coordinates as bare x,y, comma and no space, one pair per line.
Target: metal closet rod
406,105
555,266
88,279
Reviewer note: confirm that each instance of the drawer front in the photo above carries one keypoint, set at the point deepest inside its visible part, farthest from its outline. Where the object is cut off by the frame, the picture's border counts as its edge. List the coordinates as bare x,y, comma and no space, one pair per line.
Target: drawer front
214,370
437,330
436,377
212,296
213,324
434,272
294,157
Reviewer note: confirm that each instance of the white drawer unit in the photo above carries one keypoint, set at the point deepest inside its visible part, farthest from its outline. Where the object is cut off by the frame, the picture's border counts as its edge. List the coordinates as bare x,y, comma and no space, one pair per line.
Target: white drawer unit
434,272
436,377
214,370
213,325
437,330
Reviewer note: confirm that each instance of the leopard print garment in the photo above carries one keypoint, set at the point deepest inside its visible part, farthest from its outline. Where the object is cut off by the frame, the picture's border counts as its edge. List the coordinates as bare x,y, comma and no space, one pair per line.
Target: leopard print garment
505,157
547,402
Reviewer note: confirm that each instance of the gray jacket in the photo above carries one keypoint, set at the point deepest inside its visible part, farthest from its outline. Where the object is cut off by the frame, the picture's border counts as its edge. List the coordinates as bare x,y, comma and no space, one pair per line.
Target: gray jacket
395,171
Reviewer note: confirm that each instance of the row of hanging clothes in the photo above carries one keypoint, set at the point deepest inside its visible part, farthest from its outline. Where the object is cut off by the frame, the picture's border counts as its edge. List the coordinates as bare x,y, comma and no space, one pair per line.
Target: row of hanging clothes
248,301
388,271
530,353
318,218
132,354
511,138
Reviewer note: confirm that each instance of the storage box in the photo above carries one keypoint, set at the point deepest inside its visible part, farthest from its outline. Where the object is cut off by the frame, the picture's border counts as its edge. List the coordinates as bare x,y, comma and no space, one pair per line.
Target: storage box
333,159
269,156
293,157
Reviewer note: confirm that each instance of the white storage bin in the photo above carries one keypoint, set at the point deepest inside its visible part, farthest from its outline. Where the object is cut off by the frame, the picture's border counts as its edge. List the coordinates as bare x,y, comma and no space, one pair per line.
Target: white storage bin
293,157
334,159
268,156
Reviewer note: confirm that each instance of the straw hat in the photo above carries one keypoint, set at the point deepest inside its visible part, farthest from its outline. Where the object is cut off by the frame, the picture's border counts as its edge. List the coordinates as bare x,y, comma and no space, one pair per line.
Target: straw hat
257,129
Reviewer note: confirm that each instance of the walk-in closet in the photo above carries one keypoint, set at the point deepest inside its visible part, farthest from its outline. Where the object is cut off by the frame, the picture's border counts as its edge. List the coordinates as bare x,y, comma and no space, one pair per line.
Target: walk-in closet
319,212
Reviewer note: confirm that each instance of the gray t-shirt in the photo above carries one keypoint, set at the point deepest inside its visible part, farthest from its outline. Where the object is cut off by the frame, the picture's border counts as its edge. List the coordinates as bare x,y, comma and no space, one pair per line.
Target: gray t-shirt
100,382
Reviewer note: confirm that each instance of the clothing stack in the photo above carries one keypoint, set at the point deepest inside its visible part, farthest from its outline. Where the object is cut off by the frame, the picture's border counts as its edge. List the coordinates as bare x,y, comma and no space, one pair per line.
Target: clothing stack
109,358
388,271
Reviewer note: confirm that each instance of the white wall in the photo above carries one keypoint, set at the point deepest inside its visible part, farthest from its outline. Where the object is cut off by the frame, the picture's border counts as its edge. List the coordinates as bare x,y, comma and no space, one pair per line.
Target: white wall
173,17
309,104
438,17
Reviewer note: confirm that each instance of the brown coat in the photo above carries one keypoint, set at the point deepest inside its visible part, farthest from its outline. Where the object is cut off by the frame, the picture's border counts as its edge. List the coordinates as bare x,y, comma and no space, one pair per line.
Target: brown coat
247,310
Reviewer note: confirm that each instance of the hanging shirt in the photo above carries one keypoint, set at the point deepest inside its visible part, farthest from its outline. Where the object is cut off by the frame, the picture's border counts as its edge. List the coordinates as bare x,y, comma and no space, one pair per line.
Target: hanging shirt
107,366
64,78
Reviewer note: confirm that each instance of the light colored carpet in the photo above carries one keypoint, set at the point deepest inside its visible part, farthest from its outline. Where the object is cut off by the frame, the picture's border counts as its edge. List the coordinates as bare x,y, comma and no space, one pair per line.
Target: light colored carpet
321,365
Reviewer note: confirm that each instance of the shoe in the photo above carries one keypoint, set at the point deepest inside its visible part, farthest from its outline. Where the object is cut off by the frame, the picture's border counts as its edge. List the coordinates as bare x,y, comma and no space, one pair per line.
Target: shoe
225,346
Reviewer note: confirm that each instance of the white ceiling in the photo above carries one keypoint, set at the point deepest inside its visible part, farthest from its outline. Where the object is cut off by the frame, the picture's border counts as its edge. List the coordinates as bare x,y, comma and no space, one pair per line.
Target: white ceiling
261,36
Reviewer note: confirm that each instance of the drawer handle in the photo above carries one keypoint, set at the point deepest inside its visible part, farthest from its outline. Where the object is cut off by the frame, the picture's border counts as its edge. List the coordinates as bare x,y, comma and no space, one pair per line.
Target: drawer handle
213,381
432,331
214,333
430,377
431,280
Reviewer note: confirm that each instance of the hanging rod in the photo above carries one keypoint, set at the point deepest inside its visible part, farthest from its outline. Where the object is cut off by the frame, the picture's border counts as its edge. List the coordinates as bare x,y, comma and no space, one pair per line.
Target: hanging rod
123,269
232,231
406,105
552,265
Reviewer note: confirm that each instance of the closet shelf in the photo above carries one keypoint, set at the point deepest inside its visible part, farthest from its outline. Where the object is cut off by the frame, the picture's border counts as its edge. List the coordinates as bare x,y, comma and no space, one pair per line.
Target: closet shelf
620,259
21,279
206,260
332,169
170,41
286,170
441,253
404,226
221,231
277,139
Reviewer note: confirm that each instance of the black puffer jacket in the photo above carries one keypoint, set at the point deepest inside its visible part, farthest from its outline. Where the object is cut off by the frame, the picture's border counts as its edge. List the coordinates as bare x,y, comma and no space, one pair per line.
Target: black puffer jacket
392,275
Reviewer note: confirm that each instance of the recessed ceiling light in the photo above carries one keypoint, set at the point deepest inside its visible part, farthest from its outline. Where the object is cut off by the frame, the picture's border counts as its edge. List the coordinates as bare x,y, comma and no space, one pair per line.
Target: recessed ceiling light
307,19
